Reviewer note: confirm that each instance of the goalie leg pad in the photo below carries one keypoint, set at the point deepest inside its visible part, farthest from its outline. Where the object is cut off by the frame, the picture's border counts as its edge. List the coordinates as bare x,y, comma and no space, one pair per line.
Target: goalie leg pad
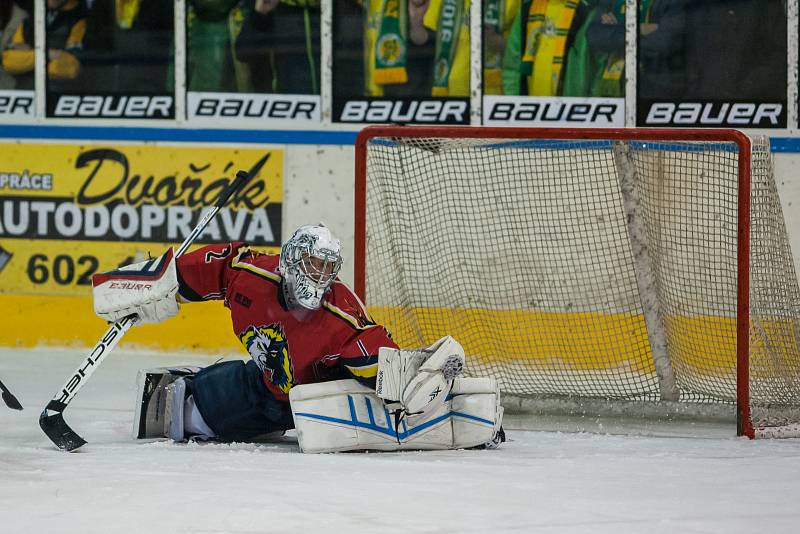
149,419
477,413
344,415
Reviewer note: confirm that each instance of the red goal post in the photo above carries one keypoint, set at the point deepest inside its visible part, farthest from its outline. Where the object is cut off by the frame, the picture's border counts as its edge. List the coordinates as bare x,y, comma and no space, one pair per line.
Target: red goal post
613,239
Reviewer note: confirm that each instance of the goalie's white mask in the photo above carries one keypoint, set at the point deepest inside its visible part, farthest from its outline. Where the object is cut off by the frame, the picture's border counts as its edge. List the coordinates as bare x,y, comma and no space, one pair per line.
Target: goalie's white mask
309,263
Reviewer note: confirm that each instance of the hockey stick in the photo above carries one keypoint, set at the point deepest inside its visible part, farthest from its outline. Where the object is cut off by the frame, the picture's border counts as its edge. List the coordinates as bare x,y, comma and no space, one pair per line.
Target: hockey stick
52,418
10,400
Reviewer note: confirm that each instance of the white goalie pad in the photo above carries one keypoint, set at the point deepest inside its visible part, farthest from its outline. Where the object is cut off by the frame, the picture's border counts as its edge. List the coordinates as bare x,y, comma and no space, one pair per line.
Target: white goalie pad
147,289
420,379
475,400
344,415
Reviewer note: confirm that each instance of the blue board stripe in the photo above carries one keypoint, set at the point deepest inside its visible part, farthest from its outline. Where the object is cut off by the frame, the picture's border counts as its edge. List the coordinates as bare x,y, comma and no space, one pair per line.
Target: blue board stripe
180,135
219,135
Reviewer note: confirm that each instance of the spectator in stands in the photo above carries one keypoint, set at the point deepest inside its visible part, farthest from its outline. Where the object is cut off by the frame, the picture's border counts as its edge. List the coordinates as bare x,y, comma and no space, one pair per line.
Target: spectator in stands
662,52
498,22
536,50
584,67
661,48
210,61
450,36
397,63
65,31
349,60
280,42
128,46
11,19
402,66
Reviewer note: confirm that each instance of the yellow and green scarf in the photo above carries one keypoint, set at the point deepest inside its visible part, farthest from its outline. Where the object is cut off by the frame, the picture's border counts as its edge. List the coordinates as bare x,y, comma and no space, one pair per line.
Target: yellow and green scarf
493,14
451,14
392,43
546,27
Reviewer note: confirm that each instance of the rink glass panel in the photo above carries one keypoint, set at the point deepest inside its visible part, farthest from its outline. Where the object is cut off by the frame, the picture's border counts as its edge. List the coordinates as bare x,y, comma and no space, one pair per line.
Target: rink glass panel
123,60
703,54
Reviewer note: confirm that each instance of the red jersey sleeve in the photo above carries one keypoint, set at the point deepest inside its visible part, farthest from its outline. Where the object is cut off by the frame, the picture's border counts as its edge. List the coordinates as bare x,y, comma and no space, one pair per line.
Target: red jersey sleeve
203,274
357,356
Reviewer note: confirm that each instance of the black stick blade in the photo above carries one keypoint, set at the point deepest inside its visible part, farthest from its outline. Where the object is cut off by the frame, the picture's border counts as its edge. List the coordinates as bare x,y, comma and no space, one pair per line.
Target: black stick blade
11,401
59,431
8,397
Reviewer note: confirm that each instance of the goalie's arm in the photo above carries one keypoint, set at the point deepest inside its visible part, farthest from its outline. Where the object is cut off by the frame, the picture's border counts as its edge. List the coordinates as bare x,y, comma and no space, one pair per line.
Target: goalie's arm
205,273
358,357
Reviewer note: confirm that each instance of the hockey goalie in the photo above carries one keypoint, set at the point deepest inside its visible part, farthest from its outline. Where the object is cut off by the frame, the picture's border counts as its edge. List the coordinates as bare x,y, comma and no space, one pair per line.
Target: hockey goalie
318,362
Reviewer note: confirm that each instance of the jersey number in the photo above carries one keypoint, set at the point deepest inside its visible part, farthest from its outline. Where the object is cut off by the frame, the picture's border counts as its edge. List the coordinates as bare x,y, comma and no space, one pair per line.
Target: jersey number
211,255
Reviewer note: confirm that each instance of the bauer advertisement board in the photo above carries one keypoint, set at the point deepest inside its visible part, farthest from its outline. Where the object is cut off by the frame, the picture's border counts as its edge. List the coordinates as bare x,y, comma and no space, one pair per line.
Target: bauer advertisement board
69,211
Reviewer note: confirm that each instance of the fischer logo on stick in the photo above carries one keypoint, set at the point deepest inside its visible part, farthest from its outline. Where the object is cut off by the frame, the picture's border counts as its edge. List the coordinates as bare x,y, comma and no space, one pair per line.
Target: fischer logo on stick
92,359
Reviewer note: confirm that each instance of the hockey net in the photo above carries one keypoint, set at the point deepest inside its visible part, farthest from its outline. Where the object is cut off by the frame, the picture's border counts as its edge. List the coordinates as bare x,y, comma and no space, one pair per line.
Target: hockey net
631,265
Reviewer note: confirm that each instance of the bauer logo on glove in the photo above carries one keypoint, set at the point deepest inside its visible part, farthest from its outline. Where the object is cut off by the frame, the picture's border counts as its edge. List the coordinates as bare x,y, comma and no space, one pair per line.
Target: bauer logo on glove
147,289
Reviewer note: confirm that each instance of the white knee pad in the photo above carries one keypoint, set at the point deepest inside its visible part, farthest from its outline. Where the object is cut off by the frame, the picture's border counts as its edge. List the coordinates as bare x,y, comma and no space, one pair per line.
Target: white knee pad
344,415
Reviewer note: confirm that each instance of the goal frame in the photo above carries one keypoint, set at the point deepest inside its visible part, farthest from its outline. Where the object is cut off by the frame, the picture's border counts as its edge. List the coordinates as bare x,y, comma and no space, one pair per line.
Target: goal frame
744,425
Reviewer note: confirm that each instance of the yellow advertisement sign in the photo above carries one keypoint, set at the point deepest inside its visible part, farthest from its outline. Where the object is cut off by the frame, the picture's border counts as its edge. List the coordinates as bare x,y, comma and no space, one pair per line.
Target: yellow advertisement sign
69,211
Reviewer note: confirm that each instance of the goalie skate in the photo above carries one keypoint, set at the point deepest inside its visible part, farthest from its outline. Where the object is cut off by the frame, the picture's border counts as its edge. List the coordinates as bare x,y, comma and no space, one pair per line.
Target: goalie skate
150,419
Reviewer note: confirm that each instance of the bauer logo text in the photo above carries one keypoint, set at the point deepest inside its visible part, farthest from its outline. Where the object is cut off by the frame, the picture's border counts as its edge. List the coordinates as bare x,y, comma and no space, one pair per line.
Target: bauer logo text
735,114
254,107
420,111
532,111
113,106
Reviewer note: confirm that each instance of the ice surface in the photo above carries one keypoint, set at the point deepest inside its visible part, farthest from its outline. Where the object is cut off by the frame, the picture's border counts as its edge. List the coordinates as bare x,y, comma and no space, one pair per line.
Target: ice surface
542,482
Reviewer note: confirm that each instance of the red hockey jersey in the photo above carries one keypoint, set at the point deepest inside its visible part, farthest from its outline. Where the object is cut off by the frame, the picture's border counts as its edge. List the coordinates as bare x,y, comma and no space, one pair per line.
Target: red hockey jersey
339,340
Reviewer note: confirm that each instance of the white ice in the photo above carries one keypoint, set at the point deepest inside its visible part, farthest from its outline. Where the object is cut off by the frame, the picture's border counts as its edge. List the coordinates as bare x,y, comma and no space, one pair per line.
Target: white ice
540,482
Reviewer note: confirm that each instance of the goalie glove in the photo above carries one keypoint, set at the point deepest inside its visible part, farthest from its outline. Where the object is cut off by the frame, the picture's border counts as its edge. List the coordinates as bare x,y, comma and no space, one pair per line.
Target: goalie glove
147,289
418,381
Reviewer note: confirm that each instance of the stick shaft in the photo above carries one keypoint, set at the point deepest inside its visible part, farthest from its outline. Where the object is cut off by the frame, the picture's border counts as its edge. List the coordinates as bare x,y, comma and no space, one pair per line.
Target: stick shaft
53,424
117,330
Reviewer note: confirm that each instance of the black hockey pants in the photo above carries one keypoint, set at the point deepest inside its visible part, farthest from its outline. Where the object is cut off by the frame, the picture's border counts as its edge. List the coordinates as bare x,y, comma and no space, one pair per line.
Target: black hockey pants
236,404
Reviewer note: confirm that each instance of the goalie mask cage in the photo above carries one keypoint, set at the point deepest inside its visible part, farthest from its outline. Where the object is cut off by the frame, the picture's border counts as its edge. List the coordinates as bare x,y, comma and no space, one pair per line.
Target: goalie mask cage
620,264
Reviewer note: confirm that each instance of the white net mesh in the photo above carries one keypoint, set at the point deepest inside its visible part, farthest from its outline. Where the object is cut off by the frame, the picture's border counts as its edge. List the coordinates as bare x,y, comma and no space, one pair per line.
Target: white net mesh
603,269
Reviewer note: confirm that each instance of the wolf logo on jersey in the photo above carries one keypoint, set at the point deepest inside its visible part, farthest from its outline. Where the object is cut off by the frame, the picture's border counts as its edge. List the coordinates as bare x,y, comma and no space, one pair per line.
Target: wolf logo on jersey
268,347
